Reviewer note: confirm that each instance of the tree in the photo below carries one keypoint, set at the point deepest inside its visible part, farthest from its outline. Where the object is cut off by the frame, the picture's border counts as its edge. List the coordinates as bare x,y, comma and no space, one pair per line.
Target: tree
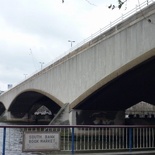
120,4
112,6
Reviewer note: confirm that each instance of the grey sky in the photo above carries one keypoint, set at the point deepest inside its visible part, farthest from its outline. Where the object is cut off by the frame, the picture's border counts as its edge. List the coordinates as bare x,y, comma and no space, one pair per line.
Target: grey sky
45,26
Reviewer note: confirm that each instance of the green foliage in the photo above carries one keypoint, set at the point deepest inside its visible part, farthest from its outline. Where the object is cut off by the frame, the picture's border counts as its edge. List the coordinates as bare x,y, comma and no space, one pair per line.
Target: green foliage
120,4
112,6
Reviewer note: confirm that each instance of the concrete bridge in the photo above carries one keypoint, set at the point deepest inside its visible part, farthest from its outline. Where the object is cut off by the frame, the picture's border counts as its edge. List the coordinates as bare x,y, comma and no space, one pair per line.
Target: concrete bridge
110,73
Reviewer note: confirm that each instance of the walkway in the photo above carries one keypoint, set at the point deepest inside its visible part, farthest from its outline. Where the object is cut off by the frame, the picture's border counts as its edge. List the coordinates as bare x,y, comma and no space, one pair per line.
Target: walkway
114,153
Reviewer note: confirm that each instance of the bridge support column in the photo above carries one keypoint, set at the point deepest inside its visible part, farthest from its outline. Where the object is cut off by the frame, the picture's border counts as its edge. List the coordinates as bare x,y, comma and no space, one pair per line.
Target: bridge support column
62,117
96,117
72,117
6,116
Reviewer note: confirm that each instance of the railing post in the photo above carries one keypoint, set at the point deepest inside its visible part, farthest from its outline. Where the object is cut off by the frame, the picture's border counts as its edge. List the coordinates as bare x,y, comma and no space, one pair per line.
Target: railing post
4,138
130,139
72,140
137,7
122,17
110,25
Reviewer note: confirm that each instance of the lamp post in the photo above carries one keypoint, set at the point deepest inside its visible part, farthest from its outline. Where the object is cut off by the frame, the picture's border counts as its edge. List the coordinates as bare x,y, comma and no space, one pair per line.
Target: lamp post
71,41
25,75
41,63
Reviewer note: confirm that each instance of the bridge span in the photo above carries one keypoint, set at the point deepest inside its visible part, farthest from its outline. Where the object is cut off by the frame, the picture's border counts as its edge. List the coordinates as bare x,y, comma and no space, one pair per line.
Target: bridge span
110,73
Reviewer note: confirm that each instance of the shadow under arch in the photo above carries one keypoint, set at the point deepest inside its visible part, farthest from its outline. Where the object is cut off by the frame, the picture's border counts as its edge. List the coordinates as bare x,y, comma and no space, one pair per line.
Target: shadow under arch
32,98
56,100
2,108
134,82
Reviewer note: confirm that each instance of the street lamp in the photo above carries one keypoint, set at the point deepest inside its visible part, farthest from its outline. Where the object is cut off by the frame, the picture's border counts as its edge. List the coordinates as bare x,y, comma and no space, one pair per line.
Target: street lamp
25,75
71,41
41,63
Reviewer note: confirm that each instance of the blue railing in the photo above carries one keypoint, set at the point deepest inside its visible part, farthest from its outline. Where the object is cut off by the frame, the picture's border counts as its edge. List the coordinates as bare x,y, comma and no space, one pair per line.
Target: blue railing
83,138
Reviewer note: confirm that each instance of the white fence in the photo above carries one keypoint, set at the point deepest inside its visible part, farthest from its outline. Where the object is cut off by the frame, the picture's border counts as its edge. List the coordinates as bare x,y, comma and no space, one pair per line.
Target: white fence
82,138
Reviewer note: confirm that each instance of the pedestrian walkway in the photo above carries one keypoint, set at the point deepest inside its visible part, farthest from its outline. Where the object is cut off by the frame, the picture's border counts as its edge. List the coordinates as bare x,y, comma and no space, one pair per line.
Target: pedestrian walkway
121,153
113,153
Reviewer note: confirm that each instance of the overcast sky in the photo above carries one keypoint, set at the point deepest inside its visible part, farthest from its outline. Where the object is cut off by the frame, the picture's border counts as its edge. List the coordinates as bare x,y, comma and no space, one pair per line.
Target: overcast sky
34,31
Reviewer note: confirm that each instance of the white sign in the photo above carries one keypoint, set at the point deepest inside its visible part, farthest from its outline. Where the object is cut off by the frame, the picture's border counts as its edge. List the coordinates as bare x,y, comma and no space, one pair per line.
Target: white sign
41,141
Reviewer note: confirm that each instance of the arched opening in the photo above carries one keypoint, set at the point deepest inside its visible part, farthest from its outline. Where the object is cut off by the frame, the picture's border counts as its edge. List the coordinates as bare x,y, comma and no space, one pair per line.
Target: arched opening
27,103
141,113
128,89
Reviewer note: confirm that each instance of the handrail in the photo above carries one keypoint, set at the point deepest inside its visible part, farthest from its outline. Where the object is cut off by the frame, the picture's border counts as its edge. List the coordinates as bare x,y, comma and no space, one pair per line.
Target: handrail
77,126
78,138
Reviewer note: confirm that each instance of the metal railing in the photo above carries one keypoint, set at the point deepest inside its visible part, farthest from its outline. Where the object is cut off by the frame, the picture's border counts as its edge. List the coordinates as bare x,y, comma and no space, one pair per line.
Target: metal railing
83,138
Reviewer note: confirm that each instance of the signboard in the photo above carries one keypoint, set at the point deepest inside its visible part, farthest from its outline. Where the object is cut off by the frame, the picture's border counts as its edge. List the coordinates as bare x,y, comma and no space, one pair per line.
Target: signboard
41,141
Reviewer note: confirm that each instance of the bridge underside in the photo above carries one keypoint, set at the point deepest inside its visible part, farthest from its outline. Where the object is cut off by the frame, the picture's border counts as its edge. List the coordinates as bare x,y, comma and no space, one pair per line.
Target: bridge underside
2,108
135,85
29,102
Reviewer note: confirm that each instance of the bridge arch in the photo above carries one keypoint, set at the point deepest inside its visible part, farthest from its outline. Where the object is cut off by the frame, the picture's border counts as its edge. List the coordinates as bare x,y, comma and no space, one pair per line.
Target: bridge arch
28,101
132,78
